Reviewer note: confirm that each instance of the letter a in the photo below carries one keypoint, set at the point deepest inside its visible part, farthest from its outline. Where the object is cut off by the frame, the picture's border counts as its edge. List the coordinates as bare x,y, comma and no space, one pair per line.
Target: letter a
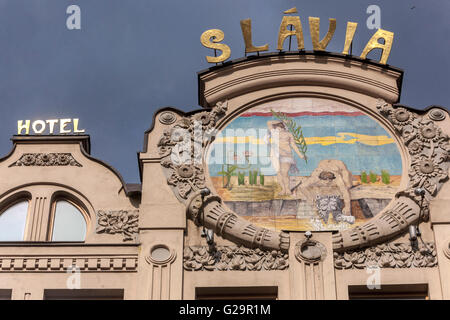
373,44
74,20
284,33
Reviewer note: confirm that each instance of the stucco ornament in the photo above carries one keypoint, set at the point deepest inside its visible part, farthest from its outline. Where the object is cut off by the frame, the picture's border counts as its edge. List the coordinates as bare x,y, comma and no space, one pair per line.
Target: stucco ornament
310,251
199,258
46,159
447,249
429,151
436,114
123,222
392,255
181,148
167,117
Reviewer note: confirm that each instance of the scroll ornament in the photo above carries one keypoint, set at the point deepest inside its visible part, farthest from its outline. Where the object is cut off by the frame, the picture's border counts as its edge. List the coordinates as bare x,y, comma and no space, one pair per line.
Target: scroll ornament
118,222
181,150
199,258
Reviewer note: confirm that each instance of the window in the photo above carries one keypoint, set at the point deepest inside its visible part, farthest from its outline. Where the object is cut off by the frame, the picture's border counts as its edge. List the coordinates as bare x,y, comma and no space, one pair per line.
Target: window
13,221
391,292
83,294
236,293
5,294
69,223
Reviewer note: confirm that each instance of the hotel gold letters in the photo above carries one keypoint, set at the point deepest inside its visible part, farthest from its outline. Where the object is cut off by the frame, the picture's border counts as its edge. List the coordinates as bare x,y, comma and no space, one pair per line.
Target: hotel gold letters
40,126
212,38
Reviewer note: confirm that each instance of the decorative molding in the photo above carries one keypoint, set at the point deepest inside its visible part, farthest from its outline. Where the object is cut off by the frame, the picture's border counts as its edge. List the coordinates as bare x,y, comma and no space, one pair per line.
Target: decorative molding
125,222
239,81
310,251
391,255
447,249
346,80
171,256
429,151
167,117
46,160
199,258
160,259
65,263
436,114
190,136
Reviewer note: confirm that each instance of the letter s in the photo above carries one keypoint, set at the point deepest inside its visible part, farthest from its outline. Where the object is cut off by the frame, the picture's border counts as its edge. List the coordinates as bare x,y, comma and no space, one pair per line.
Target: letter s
217,35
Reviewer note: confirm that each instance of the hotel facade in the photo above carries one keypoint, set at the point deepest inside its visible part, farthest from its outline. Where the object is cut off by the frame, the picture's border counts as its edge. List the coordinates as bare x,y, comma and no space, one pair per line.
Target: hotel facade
301,178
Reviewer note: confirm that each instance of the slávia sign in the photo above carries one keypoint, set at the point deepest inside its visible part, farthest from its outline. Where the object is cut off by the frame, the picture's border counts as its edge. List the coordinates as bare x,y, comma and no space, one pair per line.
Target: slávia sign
212,38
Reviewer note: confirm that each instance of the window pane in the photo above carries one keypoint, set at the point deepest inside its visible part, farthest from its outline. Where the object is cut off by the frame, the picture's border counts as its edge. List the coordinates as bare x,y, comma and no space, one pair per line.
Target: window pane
12,222
69,223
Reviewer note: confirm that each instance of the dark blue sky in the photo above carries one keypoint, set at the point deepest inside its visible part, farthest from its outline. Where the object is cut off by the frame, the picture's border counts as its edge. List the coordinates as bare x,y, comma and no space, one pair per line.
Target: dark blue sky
133,57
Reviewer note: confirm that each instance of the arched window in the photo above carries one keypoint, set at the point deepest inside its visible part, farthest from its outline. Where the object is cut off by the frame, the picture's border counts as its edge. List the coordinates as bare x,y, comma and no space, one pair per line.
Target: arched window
69,223
13,221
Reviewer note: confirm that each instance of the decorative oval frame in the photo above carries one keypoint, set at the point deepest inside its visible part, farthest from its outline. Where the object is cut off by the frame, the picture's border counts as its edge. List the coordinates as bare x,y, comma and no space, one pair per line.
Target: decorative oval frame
423,147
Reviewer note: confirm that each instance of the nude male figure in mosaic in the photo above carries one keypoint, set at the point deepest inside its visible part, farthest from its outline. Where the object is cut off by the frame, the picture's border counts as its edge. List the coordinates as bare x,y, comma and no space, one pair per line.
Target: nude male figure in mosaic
281,156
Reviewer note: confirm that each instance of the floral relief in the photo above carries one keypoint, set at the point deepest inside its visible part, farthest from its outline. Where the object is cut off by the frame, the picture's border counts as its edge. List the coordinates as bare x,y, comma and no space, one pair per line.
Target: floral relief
392,255
46,159
199,258
428,147
118,222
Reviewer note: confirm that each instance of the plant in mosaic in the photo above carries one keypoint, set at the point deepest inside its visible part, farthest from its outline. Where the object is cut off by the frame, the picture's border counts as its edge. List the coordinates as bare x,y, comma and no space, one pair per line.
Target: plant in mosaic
227,173
385,177
241,178
364,177
372,177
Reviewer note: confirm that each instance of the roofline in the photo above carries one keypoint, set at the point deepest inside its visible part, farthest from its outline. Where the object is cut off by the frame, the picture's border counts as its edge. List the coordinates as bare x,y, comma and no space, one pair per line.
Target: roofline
424,110
85,143
297,53
83,139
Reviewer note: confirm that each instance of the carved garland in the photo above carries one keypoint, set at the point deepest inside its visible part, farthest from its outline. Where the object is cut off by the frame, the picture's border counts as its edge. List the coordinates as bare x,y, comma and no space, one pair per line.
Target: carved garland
46,160
198,258
392,255
118,222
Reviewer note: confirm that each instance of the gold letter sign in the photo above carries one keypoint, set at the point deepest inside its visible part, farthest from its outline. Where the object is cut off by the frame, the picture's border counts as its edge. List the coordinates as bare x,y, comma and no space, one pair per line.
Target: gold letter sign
211,38
373,44
217,36
284,32
349,34
246,27
314,29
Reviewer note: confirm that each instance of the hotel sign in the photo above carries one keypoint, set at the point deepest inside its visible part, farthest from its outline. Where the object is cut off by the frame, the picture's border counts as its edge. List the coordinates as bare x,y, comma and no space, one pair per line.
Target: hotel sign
61,126
291,26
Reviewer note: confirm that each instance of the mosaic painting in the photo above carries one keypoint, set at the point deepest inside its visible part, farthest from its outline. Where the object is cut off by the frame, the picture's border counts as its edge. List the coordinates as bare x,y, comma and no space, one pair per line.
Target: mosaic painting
305,164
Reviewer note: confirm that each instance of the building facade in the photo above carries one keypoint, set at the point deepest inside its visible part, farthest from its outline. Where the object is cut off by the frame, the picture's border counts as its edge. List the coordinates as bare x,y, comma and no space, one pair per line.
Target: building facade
302,178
